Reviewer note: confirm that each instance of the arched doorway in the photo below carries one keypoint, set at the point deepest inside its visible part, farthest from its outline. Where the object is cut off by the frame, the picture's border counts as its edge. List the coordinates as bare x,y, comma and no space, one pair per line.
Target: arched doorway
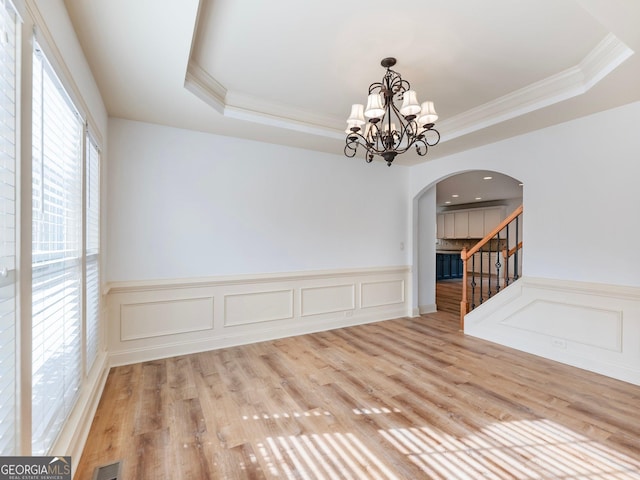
453,213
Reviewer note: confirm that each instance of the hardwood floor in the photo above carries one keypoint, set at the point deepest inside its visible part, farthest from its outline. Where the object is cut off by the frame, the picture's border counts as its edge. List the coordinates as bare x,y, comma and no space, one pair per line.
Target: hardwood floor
401,399
449,293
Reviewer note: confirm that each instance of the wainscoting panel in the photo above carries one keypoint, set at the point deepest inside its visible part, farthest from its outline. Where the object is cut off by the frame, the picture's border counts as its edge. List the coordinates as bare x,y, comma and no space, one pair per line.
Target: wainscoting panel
591,326
245,308
330,299
377,294
156,319
541,317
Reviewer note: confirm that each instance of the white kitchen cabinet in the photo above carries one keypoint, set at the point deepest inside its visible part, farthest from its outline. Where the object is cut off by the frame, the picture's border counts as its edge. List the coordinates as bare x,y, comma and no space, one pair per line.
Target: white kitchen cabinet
476,223
461,224
472,223
445,225
440,226
492,217
449,226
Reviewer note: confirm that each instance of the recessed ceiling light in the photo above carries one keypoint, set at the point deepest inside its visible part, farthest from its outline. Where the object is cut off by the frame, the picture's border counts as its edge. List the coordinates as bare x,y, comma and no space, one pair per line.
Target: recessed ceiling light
478,198
487,178
447,202
455,195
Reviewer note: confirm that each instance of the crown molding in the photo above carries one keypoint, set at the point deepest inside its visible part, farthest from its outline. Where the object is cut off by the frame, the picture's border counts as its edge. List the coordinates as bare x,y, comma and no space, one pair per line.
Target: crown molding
603,59
244,107
576,80
253,109
205,87
599,62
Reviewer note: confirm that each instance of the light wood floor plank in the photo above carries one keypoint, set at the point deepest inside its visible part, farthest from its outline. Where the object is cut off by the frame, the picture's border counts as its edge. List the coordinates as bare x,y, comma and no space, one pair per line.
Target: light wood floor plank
401,399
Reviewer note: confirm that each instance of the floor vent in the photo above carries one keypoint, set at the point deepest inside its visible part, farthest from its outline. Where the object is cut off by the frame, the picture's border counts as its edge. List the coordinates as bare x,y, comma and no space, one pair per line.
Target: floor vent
107,472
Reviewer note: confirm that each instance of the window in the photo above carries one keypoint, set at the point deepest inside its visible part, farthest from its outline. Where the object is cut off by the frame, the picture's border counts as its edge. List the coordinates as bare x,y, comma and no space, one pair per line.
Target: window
57,151
8,351
92,250
63,264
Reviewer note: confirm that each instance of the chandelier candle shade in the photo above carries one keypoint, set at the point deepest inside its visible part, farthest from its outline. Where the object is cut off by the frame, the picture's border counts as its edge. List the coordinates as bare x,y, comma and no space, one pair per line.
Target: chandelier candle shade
390,130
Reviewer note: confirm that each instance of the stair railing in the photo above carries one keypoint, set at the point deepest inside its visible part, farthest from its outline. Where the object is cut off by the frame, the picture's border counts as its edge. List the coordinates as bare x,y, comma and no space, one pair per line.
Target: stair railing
486,278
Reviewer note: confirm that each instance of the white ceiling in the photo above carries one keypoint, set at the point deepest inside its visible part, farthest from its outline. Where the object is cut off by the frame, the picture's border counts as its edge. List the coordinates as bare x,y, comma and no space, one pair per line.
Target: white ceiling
288,71
477,187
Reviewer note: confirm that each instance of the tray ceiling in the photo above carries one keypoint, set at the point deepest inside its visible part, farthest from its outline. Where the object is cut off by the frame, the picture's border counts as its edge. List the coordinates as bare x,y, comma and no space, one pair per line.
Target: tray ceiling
287,72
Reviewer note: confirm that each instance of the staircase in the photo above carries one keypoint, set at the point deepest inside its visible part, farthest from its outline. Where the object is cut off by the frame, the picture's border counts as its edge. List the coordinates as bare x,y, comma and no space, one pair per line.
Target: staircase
492,263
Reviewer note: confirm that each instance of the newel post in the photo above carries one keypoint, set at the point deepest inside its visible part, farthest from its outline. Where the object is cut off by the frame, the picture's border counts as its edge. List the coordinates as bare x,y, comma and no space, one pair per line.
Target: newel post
464,304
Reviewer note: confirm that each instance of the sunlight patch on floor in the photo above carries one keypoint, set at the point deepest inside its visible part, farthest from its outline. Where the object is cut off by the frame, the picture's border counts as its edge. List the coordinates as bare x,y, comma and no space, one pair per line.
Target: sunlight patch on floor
323,456
524,449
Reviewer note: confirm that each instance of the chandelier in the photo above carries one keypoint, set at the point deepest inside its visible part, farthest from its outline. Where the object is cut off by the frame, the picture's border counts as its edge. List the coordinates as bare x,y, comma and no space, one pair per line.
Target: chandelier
390,130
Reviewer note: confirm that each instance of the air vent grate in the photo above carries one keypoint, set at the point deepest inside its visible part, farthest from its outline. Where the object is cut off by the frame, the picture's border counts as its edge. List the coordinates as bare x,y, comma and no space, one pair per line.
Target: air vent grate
107,472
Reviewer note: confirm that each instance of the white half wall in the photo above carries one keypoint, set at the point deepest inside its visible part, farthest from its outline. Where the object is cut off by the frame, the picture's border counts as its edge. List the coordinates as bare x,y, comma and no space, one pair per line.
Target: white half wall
157,319
587,325
185,204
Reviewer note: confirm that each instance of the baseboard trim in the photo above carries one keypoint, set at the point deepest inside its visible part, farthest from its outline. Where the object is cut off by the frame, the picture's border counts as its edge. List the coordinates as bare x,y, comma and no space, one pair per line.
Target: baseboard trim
431,308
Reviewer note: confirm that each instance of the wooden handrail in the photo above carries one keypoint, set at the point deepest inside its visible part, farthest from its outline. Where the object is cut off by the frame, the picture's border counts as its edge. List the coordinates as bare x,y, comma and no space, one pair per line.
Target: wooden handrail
512,251
467,254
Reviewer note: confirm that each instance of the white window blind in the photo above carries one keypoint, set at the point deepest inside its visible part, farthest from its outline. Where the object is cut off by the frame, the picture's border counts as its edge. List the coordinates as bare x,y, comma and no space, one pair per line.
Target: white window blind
8,380
92,273
56,251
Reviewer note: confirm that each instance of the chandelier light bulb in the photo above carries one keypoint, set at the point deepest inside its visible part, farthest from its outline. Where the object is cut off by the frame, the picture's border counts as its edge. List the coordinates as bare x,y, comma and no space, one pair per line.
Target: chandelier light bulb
375,106
410,105
357,117
427,114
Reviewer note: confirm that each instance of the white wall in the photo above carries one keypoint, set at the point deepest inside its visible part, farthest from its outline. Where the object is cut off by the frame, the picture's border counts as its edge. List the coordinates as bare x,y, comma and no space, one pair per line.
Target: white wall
187,204
426,206
580,182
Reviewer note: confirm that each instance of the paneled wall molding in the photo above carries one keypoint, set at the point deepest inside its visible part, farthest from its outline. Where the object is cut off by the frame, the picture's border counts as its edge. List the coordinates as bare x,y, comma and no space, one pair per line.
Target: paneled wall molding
588,325
380,293
163,318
